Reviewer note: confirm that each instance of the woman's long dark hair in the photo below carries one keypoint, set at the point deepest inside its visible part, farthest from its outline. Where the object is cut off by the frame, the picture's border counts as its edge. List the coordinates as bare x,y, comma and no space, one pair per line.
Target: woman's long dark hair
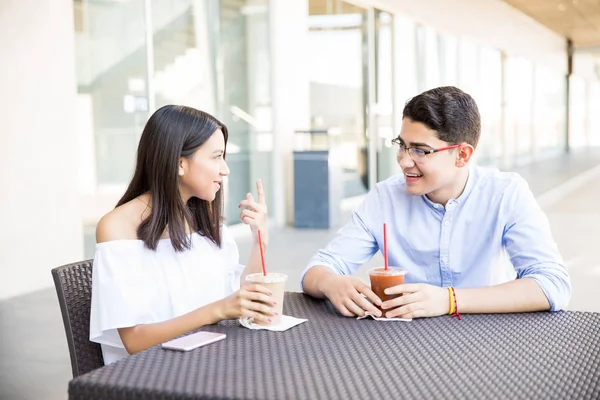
173,132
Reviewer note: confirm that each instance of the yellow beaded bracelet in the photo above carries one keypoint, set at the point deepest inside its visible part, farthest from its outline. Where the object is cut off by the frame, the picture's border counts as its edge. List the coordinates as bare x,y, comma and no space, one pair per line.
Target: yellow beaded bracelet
450,294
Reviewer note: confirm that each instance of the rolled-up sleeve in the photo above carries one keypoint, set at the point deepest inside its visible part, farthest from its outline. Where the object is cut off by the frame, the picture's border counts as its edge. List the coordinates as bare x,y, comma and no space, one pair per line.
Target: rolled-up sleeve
354,244
532,250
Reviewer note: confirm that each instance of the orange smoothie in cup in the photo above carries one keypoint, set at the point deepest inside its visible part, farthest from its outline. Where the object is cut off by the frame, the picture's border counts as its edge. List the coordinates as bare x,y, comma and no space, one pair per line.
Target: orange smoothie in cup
382,279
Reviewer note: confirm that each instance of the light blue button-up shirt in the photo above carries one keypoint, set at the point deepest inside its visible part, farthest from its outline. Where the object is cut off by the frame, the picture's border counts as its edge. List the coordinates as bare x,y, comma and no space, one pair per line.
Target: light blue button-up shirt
494,232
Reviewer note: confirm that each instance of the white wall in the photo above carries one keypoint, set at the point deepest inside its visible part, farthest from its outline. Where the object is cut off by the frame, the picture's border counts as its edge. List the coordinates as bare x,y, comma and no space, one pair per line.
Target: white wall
40,216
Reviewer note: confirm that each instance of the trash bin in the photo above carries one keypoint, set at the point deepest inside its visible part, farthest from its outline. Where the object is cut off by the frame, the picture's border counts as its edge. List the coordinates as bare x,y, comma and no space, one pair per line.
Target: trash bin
318,186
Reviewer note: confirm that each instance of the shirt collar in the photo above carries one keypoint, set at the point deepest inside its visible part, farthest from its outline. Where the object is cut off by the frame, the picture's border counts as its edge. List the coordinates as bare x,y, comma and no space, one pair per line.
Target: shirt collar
468,188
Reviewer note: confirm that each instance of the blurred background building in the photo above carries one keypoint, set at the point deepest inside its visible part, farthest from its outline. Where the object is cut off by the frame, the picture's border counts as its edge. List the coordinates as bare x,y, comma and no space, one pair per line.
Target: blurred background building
79,79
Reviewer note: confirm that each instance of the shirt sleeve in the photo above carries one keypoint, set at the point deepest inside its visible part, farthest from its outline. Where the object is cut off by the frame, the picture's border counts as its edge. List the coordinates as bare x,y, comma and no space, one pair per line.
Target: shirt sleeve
532,250
232,256
354,244
120,290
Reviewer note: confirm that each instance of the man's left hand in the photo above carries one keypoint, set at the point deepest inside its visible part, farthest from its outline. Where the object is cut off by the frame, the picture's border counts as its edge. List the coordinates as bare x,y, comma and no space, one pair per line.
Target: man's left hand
418,300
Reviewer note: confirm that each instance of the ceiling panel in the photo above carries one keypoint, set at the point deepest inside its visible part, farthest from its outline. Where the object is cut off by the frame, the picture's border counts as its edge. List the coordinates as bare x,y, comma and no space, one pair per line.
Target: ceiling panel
578,20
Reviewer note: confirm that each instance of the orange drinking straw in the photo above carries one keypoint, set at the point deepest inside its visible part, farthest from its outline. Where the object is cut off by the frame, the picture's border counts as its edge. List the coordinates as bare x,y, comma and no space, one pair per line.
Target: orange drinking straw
262,255
385,256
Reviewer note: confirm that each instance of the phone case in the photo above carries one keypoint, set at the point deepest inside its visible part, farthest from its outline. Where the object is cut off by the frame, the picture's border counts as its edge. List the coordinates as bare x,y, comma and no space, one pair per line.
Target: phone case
193,341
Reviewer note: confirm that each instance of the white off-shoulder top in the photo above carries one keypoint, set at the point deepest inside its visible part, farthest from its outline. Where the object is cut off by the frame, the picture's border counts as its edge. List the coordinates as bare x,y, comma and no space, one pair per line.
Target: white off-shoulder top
133,285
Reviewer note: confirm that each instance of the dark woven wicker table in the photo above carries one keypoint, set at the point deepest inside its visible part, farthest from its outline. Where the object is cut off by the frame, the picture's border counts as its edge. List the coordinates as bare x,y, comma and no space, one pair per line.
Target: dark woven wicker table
512,356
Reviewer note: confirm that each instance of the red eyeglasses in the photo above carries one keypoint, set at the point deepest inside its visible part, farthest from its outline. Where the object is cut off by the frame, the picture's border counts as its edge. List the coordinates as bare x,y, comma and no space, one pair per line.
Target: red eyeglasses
418,155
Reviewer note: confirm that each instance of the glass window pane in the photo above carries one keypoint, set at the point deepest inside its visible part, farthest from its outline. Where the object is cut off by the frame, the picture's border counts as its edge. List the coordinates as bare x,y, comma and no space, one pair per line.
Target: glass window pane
212,55
549,111
490,106
594,115
337,77
110,52
468,70
519,106
243,102
577,128
448,53
384,120
183,55
407,60
433,71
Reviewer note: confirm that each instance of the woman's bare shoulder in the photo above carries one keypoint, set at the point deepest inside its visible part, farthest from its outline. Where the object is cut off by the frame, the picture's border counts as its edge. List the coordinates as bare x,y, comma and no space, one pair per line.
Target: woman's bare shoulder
120,223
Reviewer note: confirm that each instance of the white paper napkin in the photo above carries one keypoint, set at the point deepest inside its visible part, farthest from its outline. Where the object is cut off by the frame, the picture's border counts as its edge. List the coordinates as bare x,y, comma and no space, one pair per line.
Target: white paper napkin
286,323
369,315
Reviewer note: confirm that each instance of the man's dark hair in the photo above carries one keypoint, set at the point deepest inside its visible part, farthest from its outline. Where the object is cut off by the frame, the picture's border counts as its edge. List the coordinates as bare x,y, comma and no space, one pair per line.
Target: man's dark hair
452,113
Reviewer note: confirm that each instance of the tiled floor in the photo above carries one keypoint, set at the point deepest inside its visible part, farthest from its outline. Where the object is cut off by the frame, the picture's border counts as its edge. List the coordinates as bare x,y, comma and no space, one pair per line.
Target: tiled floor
34,359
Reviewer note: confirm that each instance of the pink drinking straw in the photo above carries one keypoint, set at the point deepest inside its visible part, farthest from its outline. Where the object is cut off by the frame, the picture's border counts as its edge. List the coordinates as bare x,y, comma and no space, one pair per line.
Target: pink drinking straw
262,255
385,256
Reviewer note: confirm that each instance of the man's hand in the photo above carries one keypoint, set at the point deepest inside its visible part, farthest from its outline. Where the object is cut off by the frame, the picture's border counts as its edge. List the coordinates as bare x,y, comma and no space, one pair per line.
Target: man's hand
417,300
347,294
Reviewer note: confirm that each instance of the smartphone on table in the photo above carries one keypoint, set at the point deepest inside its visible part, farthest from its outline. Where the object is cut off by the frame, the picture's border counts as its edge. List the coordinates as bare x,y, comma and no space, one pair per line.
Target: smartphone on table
193,341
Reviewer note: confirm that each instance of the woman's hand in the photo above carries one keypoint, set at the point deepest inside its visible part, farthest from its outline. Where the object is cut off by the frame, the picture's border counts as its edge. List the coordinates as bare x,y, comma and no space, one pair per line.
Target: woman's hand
251,301
255,213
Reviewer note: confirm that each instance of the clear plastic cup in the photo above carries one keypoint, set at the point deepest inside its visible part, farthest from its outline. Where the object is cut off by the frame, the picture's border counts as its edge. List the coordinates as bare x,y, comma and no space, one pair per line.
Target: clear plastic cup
275,282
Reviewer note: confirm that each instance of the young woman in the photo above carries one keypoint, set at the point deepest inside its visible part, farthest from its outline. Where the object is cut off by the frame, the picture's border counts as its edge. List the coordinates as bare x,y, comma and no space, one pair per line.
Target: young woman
165,263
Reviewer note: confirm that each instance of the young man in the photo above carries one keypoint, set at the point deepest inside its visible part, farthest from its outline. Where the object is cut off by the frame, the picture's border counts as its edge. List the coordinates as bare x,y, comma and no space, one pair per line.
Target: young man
449,224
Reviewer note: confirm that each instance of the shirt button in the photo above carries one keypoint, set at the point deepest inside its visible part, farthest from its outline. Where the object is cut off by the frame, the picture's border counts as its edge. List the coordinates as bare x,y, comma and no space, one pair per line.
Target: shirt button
444,259
446,223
